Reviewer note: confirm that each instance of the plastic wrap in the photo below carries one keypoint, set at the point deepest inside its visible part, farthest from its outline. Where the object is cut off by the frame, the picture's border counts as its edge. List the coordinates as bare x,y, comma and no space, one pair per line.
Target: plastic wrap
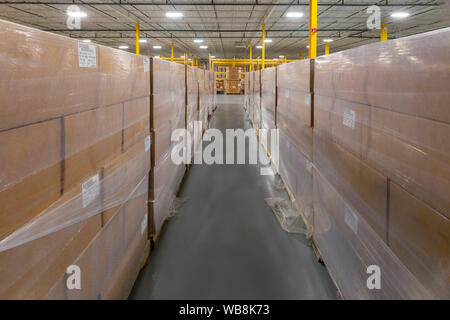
75,144
204,98
251,95
257,99
169,113
268,98
192,108
382,163
247,92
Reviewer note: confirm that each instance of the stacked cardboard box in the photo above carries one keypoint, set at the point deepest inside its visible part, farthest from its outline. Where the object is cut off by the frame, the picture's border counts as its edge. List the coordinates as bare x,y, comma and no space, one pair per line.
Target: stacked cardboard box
382,183
268,98
233,86
233,73
168,113
294,113
257,99
220,85
69,110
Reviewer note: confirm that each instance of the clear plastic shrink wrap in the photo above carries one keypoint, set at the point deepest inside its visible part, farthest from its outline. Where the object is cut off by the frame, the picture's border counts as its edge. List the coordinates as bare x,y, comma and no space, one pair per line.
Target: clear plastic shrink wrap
251,95
192,107
293,119
204,100
268,98
382,166
168,114
257,99
75,157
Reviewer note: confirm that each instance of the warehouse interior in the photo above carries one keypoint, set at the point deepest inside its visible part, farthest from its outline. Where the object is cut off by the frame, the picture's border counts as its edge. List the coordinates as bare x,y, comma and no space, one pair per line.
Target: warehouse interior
349,201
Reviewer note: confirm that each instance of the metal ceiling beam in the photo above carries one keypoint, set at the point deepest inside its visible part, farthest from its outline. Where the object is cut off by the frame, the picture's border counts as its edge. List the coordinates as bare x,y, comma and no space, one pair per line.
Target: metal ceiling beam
200,31
188,37
256,3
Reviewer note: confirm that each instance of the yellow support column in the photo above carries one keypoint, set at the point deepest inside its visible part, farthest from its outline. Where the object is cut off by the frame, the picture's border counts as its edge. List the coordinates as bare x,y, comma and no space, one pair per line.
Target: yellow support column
138,49
327,48
263,45
383,34
251,58
171,51
301,55
312,29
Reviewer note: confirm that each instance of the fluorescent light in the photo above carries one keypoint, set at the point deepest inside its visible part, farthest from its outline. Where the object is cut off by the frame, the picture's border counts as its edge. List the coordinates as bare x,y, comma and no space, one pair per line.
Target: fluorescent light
182,57
198,40
203,47
281,57
87,40
212,57
156,57
268,40
156,47
294,14
174,14
327,40
259,47
77,14
143,40
400,15
123,47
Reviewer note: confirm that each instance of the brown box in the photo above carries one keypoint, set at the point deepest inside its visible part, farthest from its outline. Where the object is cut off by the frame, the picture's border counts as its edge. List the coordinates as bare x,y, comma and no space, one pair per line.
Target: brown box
361,186
268,98
136,121
43,72
402,75
296,75
92,138
30,166
420,237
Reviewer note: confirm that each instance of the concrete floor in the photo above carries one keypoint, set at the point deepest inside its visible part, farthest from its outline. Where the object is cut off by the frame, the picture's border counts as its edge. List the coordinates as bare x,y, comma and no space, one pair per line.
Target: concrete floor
225,242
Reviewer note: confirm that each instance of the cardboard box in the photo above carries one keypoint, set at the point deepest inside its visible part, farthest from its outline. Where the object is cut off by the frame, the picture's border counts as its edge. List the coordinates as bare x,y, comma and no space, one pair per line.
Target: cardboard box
44,73
136,121
420,237
297,75
386,74
92,138
30,166
268,98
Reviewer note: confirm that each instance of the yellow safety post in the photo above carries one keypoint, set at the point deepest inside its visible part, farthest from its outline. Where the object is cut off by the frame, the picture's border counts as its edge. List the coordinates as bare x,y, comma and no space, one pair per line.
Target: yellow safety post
301,55
312,29
327,48
285,60
383,34
171,51
138,49
263,44
251,58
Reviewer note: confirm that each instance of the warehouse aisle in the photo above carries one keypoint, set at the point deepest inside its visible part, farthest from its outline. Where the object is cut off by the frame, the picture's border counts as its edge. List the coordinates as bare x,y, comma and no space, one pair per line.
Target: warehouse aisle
224,242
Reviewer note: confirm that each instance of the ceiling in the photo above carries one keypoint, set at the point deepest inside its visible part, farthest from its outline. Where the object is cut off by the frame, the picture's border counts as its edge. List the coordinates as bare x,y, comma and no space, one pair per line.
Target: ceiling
228,27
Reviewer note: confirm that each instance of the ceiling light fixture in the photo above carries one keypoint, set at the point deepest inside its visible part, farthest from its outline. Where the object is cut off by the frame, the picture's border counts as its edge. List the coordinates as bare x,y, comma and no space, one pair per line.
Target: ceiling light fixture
400,15
156,47
203,47
174,14
87,40
77,14
327,40
156,57
143,40
212,57
268,40
198,40
123,47
259,47
294,14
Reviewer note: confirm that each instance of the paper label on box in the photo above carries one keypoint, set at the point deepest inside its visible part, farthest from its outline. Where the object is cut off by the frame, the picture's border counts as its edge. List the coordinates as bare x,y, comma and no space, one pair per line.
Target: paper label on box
349,118
308,99
172,96
147,142
351,219
87,55
143,225
90,190
146,65
308,165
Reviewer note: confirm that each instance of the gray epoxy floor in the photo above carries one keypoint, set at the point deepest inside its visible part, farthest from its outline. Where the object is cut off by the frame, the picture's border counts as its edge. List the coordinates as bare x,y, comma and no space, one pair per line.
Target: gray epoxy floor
224,241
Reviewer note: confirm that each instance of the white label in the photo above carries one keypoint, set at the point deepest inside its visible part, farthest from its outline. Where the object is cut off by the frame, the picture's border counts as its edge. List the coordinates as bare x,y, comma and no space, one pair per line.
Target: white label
143,225
172,96
146,65
308,99
351,219
308,165
87,55
147,142
90,190
349,118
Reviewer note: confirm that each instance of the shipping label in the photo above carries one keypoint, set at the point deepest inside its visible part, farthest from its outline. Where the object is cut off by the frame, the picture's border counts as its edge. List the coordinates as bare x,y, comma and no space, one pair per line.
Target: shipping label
349,118
87,55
